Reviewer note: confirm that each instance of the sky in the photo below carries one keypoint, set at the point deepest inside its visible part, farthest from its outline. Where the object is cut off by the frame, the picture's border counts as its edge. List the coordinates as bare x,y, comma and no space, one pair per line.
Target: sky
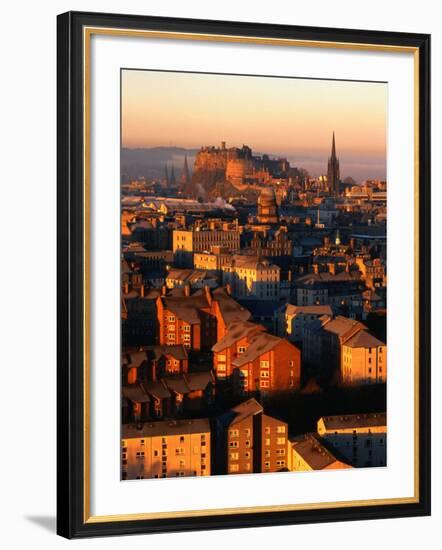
283,116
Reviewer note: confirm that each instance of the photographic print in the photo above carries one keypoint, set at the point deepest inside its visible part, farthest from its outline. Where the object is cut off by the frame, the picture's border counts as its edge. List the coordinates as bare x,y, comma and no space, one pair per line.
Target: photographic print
253,274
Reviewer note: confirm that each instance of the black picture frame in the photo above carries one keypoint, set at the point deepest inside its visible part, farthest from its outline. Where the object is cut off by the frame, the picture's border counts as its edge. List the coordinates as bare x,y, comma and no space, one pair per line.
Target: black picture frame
71,520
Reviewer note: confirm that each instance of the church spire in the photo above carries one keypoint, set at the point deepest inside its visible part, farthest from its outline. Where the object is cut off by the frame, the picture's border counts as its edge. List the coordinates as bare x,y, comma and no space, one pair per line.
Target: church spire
166,173
333,153
172,176
333,176
185,176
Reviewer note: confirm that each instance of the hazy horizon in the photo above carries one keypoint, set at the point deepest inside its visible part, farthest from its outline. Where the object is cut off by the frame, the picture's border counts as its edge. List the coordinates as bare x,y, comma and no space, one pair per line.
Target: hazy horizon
290,117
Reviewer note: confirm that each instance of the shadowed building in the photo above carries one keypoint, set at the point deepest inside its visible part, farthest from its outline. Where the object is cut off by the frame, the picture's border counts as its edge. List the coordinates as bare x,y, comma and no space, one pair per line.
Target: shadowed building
360,438
249,441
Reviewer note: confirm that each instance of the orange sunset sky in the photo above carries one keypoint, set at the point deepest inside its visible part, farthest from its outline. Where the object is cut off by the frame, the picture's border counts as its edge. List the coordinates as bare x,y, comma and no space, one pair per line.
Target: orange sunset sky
285,116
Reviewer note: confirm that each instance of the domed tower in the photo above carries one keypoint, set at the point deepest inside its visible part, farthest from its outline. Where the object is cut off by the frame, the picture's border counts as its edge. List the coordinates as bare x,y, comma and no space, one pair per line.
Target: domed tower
267,207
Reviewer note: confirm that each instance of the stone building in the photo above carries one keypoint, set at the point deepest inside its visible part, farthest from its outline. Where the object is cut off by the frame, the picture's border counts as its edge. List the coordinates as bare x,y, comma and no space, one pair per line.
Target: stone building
267,207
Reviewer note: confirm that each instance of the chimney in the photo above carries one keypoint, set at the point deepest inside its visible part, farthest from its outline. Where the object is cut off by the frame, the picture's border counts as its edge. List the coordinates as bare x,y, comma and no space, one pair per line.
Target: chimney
186,289
163,290
126,288
142,290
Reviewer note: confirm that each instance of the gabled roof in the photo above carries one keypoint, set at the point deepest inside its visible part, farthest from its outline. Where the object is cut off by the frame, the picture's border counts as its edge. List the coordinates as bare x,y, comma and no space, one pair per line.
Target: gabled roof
230,309
236,331
342,325
135,393
363,339
259,343
245,409
156,389
313,452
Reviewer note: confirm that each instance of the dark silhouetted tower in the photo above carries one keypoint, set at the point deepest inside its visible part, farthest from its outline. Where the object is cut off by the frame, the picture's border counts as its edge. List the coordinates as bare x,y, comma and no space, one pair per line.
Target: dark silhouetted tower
333,177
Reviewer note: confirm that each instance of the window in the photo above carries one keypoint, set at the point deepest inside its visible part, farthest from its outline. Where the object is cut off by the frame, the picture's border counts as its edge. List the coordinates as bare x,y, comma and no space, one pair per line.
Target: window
267,454
267,442
234,433
267,430
155,453
280,440
221,358
179,451
181,438
234,468
234,456
186,328
280,463
182,463
171,328
247,466
233,444
280,430
171,318
264,384
248,443
267,465
241,349
264,364
280,452
264,374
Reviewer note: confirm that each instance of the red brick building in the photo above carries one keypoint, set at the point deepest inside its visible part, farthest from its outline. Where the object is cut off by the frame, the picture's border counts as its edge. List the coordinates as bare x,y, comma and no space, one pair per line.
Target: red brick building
253,359
196,320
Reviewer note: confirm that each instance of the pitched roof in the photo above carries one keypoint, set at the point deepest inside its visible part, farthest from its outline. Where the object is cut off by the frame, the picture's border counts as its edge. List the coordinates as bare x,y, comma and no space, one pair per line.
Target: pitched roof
236,331
230,309
308,310
186,307
341,325
259,343
363,339
245,409
135,393
310,448
353,421
156,389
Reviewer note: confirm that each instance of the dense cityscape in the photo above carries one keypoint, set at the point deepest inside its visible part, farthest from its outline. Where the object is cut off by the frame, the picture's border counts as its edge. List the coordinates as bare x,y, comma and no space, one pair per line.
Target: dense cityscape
253,308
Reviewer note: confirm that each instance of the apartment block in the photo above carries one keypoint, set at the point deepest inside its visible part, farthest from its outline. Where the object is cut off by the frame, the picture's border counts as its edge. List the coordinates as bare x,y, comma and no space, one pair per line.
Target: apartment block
166,449
360,438
249,441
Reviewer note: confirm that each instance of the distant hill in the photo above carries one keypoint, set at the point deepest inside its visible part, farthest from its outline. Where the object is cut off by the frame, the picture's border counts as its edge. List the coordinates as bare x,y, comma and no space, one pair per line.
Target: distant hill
151,162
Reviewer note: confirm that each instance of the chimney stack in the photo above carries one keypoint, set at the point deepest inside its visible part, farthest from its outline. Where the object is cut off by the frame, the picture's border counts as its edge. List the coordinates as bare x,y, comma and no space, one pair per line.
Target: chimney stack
163,290
187,289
